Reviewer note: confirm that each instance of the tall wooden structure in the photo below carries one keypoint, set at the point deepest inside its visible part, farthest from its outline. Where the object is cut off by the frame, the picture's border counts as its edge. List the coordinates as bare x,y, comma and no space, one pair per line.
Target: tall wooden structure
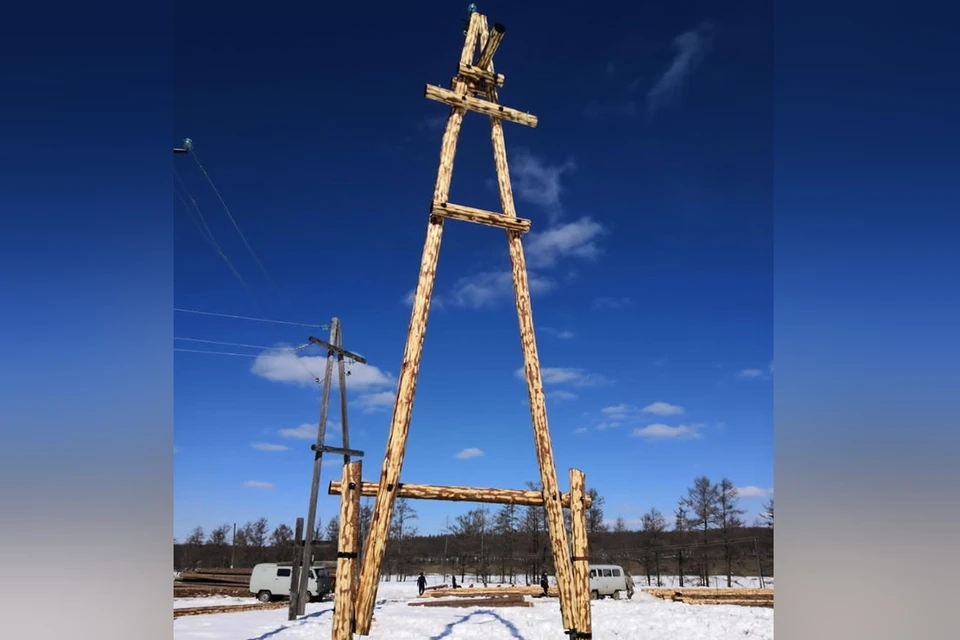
474,88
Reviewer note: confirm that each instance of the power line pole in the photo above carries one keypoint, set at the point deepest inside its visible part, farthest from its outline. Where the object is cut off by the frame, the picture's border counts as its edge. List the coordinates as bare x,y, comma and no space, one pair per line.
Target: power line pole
334,347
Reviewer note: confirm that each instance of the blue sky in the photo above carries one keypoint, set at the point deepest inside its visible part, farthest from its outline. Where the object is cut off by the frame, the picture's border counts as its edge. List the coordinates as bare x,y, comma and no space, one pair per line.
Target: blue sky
649,181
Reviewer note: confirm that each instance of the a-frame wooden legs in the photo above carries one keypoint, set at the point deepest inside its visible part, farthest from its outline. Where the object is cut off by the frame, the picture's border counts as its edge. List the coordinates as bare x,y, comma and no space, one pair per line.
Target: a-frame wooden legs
574,603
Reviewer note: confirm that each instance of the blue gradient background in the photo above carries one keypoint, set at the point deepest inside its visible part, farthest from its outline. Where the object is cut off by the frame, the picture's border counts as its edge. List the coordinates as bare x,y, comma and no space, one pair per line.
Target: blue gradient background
865,320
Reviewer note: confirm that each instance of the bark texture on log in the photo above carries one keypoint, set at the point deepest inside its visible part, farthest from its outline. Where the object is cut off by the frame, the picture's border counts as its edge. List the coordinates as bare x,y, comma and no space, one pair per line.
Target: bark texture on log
464,101
409,368
581,552
479,216
523,498
348,543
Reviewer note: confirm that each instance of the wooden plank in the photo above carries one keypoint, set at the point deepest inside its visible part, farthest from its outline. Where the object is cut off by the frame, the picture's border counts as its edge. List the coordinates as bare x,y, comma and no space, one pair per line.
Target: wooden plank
479,216
489,48
406,388
467,592
483,602
464,101
581,561
337,350
478,75
448,493
356,453
348,546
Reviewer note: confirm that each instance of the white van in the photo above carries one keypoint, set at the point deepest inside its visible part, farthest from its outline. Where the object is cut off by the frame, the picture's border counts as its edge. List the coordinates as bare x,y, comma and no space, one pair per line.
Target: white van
607,580
270,580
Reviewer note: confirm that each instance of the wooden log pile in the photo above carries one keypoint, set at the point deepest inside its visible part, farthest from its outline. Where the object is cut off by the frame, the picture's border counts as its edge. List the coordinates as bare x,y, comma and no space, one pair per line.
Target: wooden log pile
739,597
478,592
202,611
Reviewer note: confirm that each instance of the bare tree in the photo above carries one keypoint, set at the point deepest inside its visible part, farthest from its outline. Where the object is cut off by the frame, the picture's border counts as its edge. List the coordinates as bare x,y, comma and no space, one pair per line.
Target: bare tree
702,500
401,529
196,536
595,522
653,525
680,526
533,525
332,533
282,536
219,536
506,523
620,526
258,533
729,515
767,515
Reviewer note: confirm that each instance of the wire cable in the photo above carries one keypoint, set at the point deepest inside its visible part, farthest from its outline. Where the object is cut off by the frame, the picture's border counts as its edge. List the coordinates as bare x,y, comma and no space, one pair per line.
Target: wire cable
228,315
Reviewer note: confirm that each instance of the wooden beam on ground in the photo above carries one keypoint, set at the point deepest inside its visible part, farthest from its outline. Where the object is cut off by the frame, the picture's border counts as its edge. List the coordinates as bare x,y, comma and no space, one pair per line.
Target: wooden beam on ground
463,101
581,557
491,45
466,592
348,546
519,497
413,350
478,75
479,216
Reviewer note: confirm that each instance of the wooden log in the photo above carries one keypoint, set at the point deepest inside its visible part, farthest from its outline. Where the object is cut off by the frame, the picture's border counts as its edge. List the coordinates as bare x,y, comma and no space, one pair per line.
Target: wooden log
489,48
447,493
581,558
488,591
479,216
348,545
410,366
464,101
705,592
478,76
485,602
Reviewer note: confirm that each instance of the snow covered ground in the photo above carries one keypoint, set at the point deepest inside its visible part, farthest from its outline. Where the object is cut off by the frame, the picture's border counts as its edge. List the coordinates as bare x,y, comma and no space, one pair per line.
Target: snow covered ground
643,617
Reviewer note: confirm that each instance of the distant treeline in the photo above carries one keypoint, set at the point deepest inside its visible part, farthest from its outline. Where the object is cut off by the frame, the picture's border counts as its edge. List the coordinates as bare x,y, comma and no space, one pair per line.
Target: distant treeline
705,537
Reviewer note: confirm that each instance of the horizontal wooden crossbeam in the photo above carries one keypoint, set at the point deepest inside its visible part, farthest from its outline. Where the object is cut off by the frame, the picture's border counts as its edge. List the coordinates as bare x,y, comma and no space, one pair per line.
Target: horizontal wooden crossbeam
439,94
356,453
526,498
479,216
477,74
329,347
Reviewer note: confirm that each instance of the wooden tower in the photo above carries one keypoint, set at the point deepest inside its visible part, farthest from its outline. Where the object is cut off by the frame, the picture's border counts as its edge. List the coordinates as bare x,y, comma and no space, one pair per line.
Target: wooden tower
474,88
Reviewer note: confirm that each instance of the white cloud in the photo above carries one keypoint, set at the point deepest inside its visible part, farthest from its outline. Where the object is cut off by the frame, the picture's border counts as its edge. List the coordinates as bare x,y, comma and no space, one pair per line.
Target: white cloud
436,301
750,374
618,411
574,239
563,334
665,432
561,395
266,446
471,452
580,430
490,287
303,370
565,375
306,431
663,409
371,402
537,182
607,302
256,484
751,491
691,47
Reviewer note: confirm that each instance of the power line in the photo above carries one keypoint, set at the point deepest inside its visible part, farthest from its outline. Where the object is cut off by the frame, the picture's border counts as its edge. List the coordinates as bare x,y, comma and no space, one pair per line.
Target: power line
217,353
208,234
236,226
227,315
251,346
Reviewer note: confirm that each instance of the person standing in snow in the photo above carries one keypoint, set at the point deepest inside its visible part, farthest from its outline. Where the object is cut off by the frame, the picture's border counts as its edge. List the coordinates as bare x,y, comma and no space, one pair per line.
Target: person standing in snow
421,583
629,579
544,584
